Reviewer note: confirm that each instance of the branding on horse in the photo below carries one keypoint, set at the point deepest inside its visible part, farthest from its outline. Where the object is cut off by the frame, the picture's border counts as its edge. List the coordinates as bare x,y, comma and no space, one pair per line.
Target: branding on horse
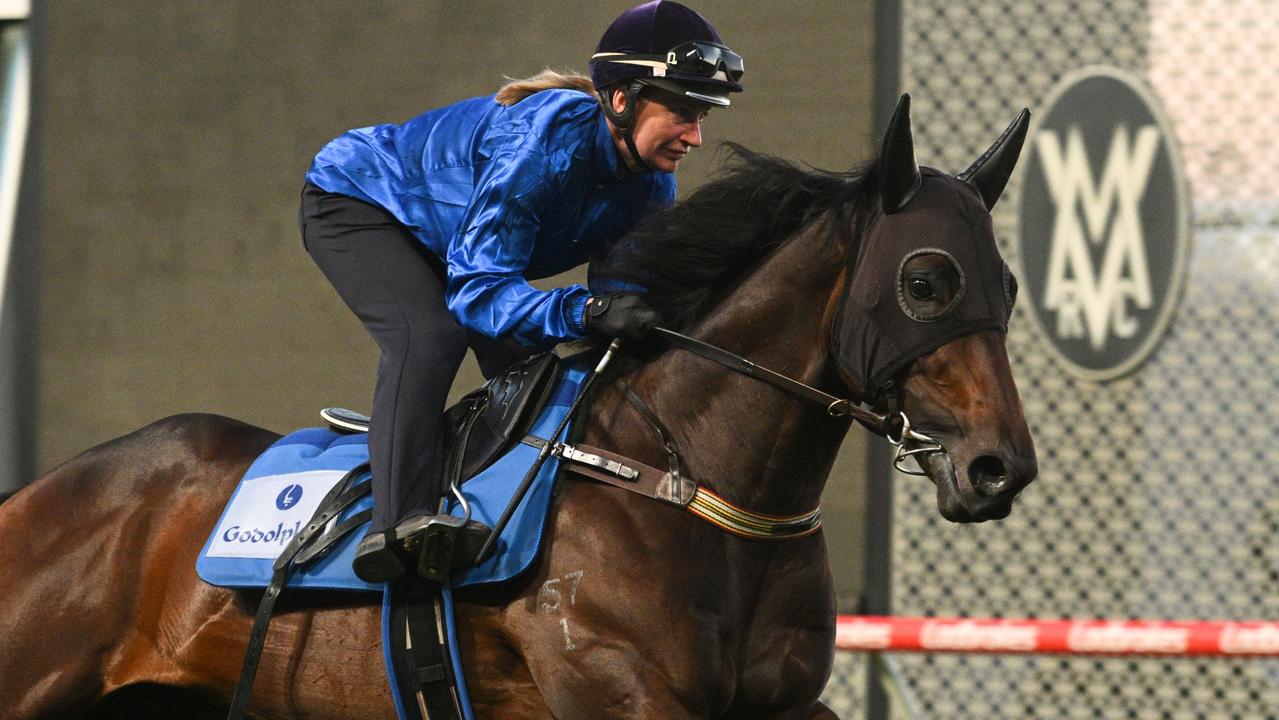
1104,223
268,511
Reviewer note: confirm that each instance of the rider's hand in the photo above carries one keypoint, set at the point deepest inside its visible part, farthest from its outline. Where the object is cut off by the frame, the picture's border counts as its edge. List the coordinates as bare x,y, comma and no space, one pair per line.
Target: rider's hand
622,315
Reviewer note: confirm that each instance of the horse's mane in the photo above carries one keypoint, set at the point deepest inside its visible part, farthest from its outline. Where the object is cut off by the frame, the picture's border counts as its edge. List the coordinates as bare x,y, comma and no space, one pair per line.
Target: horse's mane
688,255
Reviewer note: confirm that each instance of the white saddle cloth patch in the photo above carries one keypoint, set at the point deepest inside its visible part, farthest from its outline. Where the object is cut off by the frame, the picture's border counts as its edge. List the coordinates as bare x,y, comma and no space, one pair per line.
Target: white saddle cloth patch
268,511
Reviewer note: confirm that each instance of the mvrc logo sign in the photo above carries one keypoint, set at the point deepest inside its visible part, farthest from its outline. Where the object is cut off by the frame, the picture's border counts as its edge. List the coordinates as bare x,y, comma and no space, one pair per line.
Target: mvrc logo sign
1104,223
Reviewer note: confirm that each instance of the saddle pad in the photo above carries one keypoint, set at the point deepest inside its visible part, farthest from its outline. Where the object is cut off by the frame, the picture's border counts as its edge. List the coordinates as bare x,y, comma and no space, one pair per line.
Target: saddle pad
276,498
280,490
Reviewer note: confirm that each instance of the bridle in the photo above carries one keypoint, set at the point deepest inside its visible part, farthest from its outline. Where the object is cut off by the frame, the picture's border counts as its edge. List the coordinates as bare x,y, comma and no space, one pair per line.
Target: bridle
674,488
887,424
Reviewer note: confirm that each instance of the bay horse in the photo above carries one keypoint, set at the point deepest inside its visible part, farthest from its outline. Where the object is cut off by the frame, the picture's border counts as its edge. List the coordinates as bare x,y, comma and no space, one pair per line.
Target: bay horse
880,283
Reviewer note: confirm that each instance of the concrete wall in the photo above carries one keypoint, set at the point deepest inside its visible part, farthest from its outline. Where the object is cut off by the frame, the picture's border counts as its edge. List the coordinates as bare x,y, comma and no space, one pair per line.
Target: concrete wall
175,136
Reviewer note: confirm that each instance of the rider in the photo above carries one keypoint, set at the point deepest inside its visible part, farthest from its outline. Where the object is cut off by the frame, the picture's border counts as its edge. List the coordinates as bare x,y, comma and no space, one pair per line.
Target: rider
429,231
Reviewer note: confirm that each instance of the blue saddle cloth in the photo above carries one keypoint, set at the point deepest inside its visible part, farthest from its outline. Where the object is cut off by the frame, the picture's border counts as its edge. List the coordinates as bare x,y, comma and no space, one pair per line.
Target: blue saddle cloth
283,486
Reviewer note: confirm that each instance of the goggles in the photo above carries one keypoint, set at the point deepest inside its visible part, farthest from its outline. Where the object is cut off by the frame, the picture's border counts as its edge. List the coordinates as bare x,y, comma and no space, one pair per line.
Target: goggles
704,59
695,58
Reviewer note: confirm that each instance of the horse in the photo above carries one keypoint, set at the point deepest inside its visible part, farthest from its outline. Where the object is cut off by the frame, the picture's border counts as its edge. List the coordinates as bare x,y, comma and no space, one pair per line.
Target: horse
880,283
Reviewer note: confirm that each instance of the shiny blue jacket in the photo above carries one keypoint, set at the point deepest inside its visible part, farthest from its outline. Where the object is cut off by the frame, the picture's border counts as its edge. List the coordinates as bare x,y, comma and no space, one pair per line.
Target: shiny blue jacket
502,195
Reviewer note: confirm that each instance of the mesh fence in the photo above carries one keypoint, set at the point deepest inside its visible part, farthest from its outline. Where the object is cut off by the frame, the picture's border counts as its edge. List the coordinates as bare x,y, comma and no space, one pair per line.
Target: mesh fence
1156,496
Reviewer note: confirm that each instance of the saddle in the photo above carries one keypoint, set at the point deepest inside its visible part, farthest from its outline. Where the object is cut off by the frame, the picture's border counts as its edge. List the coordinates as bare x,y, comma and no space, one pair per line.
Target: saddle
486,422
479,430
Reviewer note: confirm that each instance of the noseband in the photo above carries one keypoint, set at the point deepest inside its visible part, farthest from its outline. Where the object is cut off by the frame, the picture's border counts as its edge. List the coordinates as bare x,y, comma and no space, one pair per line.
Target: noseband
885,425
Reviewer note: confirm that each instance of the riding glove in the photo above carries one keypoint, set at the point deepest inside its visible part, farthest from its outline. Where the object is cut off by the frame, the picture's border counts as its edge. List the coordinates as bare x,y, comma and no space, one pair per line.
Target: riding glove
620,315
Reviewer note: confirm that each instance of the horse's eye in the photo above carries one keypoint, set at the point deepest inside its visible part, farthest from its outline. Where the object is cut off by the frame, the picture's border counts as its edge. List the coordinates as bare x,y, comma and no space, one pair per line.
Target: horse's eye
930,283
921,289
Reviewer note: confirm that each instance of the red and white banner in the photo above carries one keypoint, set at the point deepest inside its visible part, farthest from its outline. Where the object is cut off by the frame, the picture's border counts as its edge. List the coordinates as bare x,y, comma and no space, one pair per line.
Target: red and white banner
1080,637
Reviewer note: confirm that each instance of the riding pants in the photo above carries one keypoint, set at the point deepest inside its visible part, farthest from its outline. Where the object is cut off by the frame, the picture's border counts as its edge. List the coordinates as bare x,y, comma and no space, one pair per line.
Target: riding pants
395,285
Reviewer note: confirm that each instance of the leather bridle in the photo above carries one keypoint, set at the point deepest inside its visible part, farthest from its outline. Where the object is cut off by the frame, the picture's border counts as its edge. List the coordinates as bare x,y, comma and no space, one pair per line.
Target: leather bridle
887,425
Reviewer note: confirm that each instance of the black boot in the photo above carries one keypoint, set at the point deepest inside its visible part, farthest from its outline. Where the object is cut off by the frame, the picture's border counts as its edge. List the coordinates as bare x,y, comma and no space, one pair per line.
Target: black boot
376,559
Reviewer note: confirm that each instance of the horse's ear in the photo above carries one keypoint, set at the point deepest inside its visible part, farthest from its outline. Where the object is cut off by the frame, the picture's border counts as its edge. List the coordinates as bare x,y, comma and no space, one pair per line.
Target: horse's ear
899,177
990,173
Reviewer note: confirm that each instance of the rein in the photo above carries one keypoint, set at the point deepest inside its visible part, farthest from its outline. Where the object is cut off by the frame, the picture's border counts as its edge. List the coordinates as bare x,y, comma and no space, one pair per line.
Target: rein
673,487
884,425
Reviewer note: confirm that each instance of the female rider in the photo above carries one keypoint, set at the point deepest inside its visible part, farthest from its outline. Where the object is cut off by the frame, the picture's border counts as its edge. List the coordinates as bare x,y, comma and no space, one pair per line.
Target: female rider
429,231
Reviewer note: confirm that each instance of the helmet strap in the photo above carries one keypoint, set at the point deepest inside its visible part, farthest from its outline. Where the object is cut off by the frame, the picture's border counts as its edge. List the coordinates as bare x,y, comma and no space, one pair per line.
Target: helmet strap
624,121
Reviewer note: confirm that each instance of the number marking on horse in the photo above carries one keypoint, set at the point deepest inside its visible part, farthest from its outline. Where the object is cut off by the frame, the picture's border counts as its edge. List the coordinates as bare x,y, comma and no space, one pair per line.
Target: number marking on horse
568,641
550,598
576,578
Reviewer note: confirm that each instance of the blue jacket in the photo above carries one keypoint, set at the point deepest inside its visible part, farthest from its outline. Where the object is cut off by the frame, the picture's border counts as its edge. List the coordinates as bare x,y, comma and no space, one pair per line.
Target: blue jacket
502,195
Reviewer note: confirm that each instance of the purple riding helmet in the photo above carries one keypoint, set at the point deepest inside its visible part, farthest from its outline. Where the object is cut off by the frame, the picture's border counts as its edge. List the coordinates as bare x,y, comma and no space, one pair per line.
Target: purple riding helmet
666,45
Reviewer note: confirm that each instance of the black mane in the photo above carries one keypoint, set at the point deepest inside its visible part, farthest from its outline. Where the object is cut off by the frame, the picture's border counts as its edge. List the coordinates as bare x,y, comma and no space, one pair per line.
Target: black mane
686,256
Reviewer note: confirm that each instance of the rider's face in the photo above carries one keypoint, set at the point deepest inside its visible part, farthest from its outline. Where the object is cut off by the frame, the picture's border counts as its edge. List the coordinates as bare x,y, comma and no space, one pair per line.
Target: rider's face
667,127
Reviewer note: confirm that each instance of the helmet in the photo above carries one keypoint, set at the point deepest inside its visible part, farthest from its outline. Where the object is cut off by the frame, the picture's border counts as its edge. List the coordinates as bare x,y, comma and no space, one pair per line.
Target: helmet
669,46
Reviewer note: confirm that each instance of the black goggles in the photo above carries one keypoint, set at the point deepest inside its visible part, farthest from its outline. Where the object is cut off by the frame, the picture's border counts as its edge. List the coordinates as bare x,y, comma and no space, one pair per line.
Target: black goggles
704,59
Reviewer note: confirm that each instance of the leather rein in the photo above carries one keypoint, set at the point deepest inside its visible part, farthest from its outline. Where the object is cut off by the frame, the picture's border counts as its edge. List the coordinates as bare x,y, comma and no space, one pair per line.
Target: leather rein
674,487
885,425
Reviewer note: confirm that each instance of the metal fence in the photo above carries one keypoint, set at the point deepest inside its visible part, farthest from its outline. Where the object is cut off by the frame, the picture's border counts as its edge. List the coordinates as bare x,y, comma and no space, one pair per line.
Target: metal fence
1157,495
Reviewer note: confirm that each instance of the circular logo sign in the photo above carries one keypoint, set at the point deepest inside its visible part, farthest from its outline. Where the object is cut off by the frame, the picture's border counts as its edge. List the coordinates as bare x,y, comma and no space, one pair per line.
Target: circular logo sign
288,497
1103,224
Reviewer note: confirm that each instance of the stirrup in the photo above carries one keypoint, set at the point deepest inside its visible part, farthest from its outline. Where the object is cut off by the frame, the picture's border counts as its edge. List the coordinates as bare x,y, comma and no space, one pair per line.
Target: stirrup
449,543
441,543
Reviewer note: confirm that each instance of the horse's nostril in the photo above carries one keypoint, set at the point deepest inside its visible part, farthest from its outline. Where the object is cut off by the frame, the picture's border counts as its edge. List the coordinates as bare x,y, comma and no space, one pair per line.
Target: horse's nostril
988,475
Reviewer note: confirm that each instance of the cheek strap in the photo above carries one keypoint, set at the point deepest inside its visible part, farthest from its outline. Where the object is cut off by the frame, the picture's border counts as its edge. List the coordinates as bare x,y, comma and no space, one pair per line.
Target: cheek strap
624,121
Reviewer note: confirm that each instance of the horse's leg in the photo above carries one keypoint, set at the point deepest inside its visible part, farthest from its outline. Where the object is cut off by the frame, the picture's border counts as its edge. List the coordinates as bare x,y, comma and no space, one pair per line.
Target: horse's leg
93,593
653,626
497,675
600,628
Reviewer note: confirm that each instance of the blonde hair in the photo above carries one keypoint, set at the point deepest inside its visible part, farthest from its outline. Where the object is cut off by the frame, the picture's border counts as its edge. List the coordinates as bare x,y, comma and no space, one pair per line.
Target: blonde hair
516,90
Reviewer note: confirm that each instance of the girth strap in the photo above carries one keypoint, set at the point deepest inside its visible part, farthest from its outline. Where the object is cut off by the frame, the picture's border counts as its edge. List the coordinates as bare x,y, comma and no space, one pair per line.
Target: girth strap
419,639
341,497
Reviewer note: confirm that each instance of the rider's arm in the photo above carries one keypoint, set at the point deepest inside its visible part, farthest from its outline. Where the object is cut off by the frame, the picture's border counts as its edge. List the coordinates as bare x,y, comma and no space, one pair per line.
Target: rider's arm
487,258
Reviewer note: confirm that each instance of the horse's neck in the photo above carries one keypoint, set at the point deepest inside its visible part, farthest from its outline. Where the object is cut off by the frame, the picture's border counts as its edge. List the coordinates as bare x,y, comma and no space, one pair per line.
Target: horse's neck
748,441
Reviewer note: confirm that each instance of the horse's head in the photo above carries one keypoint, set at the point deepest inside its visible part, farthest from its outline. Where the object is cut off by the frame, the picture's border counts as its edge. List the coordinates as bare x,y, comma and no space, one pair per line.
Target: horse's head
922,322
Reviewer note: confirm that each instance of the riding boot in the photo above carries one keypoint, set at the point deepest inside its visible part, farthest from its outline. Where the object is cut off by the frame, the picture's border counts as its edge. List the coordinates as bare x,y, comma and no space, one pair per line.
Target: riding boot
375,558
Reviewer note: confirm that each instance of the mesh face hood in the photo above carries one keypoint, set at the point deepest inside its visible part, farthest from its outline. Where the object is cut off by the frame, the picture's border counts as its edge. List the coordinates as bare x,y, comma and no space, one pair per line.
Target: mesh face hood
881,328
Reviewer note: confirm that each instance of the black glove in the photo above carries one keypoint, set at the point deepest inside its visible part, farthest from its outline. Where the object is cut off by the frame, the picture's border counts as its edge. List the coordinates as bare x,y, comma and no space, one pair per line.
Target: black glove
613,316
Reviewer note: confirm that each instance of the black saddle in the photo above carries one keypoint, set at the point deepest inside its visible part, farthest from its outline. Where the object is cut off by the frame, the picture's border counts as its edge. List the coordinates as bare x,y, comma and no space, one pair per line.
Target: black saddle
485,423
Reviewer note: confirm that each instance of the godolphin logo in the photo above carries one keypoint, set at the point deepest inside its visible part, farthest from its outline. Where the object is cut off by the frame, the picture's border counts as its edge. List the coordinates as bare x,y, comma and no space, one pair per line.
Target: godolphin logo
288,497
1104,223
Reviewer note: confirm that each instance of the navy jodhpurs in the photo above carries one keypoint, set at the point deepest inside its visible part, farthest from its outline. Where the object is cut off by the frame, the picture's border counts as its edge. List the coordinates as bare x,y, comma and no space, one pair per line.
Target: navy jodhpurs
396,287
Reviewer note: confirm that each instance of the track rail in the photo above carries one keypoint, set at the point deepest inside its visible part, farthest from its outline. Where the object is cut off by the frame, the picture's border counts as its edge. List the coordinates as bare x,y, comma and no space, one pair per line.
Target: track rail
1069,637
